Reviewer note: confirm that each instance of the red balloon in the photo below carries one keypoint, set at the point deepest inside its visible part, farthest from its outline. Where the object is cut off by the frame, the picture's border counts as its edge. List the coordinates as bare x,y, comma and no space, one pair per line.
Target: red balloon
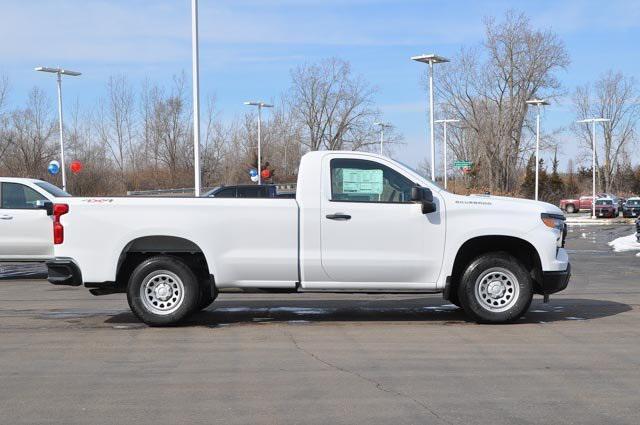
76,167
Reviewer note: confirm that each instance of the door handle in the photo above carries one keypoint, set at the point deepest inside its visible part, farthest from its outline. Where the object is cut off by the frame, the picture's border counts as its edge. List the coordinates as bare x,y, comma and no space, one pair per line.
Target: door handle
339,216
6,217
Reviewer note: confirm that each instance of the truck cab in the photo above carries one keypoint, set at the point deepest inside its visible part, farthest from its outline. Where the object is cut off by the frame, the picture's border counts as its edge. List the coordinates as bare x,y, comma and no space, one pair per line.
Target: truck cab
25,227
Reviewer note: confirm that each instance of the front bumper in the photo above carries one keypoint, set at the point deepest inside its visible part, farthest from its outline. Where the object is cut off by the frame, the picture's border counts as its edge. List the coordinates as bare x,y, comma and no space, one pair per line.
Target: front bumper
555,281
63,271
631,213
605,213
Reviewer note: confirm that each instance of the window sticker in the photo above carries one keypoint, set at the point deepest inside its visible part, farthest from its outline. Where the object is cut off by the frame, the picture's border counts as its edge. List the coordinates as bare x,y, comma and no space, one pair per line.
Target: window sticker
361,181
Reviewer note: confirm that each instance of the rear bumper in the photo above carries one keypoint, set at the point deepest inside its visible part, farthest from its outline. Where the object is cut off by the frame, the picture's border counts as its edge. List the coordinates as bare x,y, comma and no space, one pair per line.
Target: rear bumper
555,281
63,271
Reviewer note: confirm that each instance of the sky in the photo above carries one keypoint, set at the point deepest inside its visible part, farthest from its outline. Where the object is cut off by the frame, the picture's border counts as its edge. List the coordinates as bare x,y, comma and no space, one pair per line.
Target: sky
248,47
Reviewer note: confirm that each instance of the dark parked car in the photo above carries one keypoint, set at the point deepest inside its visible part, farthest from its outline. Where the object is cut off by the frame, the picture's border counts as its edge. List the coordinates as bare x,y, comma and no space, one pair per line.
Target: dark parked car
606,207
631,208
247,191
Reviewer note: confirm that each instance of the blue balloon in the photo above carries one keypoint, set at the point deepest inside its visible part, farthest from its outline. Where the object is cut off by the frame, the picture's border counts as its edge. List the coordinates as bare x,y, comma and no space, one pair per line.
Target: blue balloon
253,172
53,168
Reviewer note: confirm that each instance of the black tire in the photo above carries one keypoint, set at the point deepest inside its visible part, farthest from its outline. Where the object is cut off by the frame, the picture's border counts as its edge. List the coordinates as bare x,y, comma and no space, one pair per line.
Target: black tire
570,209
175,279
491,271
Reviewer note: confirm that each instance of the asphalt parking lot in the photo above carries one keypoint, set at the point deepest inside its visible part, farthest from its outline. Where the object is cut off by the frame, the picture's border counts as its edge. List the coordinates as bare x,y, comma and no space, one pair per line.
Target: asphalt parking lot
67,357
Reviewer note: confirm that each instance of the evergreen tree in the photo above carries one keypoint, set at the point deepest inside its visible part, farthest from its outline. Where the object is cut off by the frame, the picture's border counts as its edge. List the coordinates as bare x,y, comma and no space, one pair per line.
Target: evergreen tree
543,183
636,181
572,185
556,186
528,187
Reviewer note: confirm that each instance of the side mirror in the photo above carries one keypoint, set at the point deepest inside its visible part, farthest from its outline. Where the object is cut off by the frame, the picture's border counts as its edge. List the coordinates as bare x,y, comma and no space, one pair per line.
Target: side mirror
45,205
424,196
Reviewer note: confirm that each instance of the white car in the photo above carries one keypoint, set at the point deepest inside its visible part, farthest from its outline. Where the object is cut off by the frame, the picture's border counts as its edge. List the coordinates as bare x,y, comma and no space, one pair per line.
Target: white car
25,227
360,222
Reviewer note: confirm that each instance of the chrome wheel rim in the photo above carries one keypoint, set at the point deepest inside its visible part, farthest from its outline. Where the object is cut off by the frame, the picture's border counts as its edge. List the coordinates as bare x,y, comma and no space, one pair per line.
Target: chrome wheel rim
162,292
497,289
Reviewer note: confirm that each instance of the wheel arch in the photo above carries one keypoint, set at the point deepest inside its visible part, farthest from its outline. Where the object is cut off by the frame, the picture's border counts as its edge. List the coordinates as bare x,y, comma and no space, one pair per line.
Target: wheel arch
520,248
141,248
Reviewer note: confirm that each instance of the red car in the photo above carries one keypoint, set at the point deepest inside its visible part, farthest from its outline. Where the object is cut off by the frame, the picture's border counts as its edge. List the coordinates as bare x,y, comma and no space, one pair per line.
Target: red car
606,207
583,203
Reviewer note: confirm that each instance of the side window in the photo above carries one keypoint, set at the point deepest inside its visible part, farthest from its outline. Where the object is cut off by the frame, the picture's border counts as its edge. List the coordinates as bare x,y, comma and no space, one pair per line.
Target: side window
226,193
358,180
250,192
18,196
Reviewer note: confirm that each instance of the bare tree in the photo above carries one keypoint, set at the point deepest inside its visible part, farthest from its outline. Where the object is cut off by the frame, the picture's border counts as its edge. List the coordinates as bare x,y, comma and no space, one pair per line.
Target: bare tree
334,107
117,125
489,95
213,146
4,121
29,136
616,97
170,130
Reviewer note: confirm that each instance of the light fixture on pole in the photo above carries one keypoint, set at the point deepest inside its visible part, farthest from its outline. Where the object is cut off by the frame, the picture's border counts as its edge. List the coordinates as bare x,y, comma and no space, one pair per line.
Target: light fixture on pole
60,72
382,126
260,105
196,96
593,122
430,60
538,103
444,147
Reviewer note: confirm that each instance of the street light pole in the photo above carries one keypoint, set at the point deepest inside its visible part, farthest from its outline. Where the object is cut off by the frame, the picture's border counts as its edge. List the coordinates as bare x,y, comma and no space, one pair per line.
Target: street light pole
260,105
430,60
444,147
60,131
593,122
60,72
538,103
382,126
196,96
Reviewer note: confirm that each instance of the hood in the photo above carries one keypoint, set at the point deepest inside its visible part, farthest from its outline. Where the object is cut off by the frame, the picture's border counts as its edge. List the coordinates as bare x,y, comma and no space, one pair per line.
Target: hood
520,204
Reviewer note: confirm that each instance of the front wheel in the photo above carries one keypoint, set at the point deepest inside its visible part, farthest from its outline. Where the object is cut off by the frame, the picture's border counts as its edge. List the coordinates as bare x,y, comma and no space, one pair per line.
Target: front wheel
570,209
495,288
163,290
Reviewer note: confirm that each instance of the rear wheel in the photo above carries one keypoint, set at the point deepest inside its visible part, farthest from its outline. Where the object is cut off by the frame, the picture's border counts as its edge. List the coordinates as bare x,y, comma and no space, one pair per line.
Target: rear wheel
495,288
570,209
162,290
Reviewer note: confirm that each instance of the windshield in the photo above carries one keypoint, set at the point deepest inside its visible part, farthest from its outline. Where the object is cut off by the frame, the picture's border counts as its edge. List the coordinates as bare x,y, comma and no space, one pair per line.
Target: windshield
604,202
53,190
633,202
418,173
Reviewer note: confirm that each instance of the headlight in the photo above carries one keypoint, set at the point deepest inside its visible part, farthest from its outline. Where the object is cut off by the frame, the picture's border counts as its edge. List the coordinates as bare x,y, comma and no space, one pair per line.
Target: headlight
554,221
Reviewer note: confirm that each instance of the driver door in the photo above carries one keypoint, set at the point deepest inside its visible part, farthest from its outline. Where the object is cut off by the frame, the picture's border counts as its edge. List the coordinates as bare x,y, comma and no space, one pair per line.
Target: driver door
372,234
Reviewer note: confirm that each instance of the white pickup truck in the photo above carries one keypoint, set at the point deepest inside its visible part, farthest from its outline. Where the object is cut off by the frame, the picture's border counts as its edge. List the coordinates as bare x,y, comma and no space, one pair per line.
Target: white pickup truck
360,222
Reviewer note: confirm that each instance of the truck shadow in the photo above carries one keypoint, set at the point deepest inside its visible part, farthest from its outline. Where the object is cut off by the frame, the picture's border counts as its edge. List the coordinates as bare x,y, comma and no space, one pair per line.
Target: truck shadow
236,312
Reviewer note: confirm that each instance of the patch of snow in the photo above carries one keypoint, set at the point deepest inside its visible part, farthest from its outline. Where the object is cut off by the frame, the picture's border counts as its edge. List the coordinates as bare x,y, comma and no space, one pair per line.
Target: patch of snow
625,243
